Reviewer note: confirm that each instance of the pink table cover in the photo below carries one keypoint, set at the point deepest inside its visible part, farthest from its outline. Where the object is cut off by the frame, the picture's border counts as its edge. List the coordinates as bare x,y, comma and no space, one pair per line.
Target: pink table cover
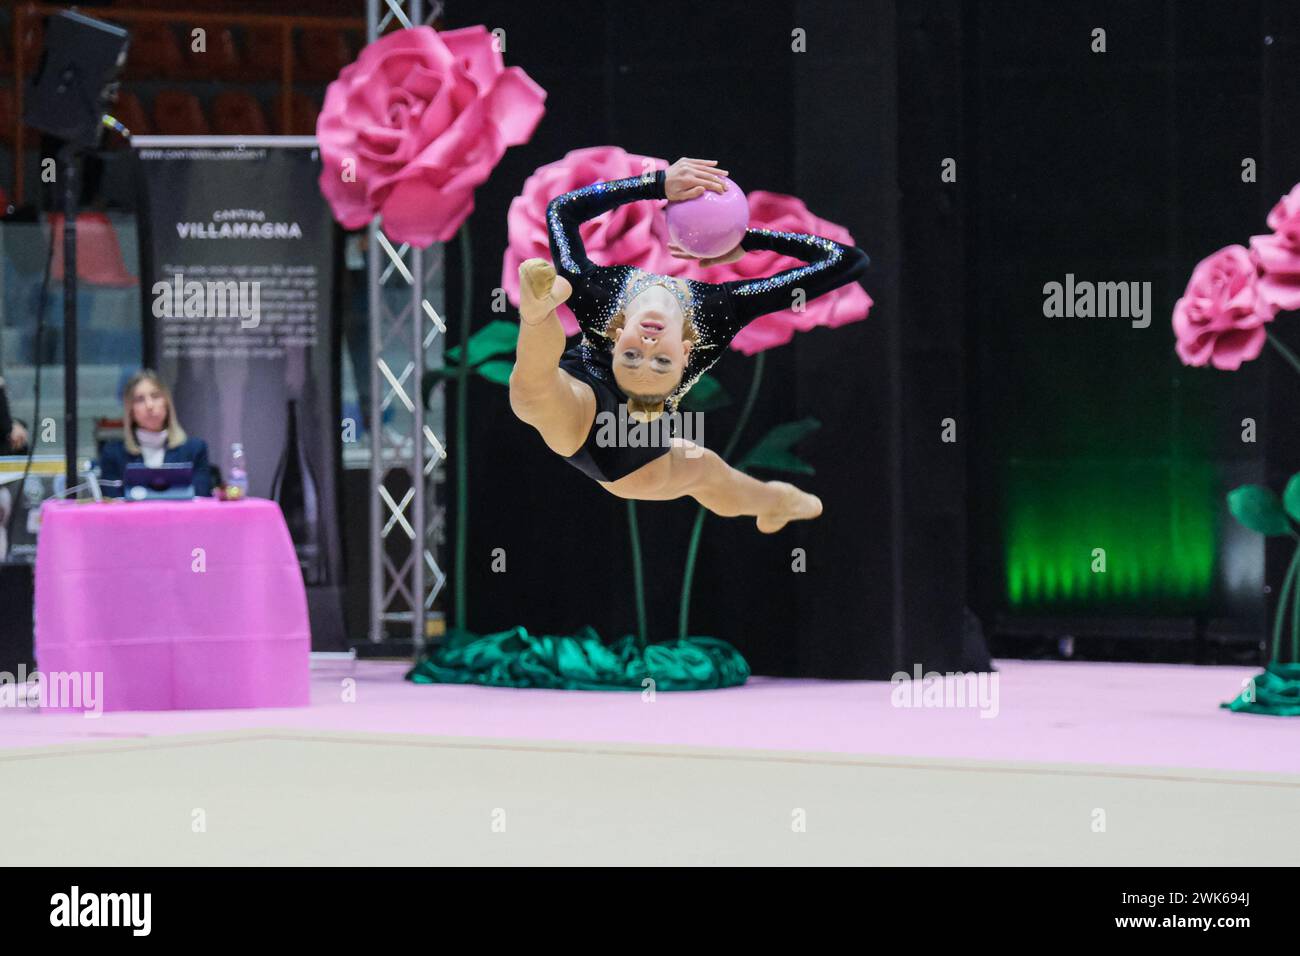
124,589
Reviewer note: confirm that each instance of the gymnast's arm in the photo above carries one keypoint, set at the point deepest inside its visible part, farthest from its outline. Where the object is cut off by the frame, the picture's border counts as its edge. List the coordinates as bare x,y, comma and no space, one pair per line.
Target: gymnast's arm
830,264
564,214
542,394
684,179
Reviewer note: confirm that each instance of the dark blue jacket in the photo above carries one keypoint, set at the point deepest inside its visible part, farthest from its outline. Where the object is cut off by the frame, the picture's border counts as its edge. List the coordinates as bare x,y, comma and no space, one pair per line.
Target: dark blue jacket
114,459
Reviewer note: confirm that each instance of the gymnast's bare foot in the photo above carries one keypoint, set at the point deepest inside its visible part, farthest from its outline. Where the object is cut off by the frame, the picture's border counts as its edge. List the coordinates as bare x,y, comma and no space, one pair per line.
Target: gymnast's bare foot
796,505
540,290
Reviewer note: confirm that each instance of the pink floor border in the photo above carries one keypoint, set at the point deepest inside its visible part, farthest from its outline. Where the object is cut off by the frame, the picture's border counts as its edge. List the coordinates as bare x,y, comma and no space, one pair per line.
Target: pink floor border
1057,712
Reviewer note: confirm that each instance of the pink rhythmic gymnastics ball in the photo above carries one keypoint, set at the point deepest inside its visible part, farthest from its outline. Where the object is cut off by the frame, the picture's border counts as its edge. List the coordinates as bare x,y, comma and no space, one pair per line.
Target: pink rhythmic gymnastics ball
712,223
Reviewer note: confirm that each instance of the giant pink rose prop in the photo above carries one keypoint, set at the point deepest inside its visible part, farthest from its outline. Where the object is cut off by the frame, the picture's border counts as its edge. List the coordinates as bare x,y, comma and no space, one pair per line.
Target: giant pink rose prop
420,120
1278,255
636,234
1219,320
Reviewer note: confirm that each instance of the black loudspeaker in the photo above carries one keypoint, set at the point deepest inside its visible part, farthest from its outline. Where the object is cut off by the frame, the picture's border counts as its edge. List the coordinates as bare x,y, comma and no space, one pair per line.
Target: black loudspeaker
76,79
75,82
16,597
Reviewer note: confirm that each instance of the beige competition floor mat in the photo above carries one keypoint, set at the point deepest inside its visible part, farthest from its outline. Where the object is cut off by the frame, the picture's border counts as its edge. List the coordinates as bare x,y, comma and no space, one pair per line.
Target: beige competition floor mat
292,798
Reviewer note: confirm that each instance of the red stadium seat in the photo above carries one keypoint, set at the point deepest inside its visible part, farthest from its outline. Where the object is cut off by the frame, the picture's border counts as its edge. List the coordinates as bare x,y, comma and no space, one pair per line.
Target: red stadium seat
220,59
33,41
178,113
130,113
236,113
323,54
303,111
8,120
99,254
154,53
262,55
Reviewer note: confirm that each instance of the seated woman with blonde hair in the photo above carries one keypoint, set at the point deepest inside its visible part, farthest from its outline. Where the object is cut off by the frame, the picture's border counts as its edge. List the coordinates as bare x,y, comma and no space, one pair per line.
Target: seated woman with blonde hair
152,435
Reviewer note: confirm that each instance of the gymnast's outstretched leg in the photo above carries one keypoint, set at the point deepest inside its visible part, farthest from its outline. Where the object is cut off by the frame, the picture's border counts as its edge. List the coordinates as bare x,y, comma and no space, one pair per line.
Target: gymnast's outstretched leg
700,473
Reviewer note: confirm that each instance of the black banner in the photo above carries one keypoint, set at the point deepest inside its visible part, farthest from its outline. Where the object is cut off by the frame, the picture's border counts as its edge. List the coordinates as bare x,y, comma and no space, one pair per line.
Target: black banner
237,256
227,904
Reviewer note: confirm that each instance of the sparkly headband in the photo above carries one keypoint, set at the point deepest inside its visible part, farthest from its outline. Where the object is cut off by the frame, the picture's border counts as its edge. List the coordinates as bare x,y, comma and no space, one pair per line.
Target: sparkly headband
645,280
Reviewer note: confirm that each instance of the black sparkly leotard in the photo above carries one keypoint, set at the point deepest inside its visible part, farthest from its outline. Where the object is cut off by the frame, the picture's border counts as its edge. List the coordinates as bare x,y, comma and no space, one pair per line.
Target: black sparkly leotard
717,310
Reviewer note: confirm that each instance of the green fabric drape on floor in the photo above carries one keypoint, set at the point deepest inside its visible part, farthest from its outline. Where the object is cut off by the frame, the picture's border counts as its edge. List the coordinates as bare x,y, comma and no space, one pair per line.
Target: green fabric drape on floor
1276,692
515,658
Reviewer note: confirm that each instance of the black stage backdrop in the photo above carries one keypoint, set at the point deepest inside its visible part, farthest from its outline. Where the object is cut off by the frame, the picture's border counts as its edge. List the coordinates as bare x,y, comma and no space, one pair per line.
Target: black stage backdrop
265,377
1125,167
1279,25
720,80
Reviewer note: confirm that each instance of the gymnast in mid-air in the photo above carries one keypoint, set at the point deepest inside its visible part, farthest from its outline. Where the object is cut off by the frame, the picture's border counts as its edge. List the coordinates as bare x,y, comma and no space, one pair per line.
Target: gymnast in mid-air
646,339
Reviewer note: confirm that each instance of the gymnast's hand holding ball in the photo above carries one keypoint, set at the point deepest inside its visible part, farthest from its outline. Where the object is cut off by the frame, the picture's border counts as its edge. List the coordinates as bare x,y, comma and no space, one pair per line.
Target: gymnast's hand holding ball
707,213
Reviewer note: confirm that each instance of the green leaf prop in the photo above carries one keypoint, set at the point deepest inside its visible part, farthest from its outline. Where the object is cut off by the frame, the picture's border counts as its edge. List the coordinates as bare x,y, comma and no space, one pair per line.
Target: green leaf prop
1259,509
706,395
495,338
1291,497
773,449
498,372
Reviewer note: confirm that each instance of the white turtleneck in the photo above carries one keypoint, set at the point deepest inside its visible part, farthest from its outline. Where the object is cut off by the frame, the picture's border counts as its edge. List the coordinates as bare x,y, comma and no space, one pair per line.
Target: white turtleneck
153,446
